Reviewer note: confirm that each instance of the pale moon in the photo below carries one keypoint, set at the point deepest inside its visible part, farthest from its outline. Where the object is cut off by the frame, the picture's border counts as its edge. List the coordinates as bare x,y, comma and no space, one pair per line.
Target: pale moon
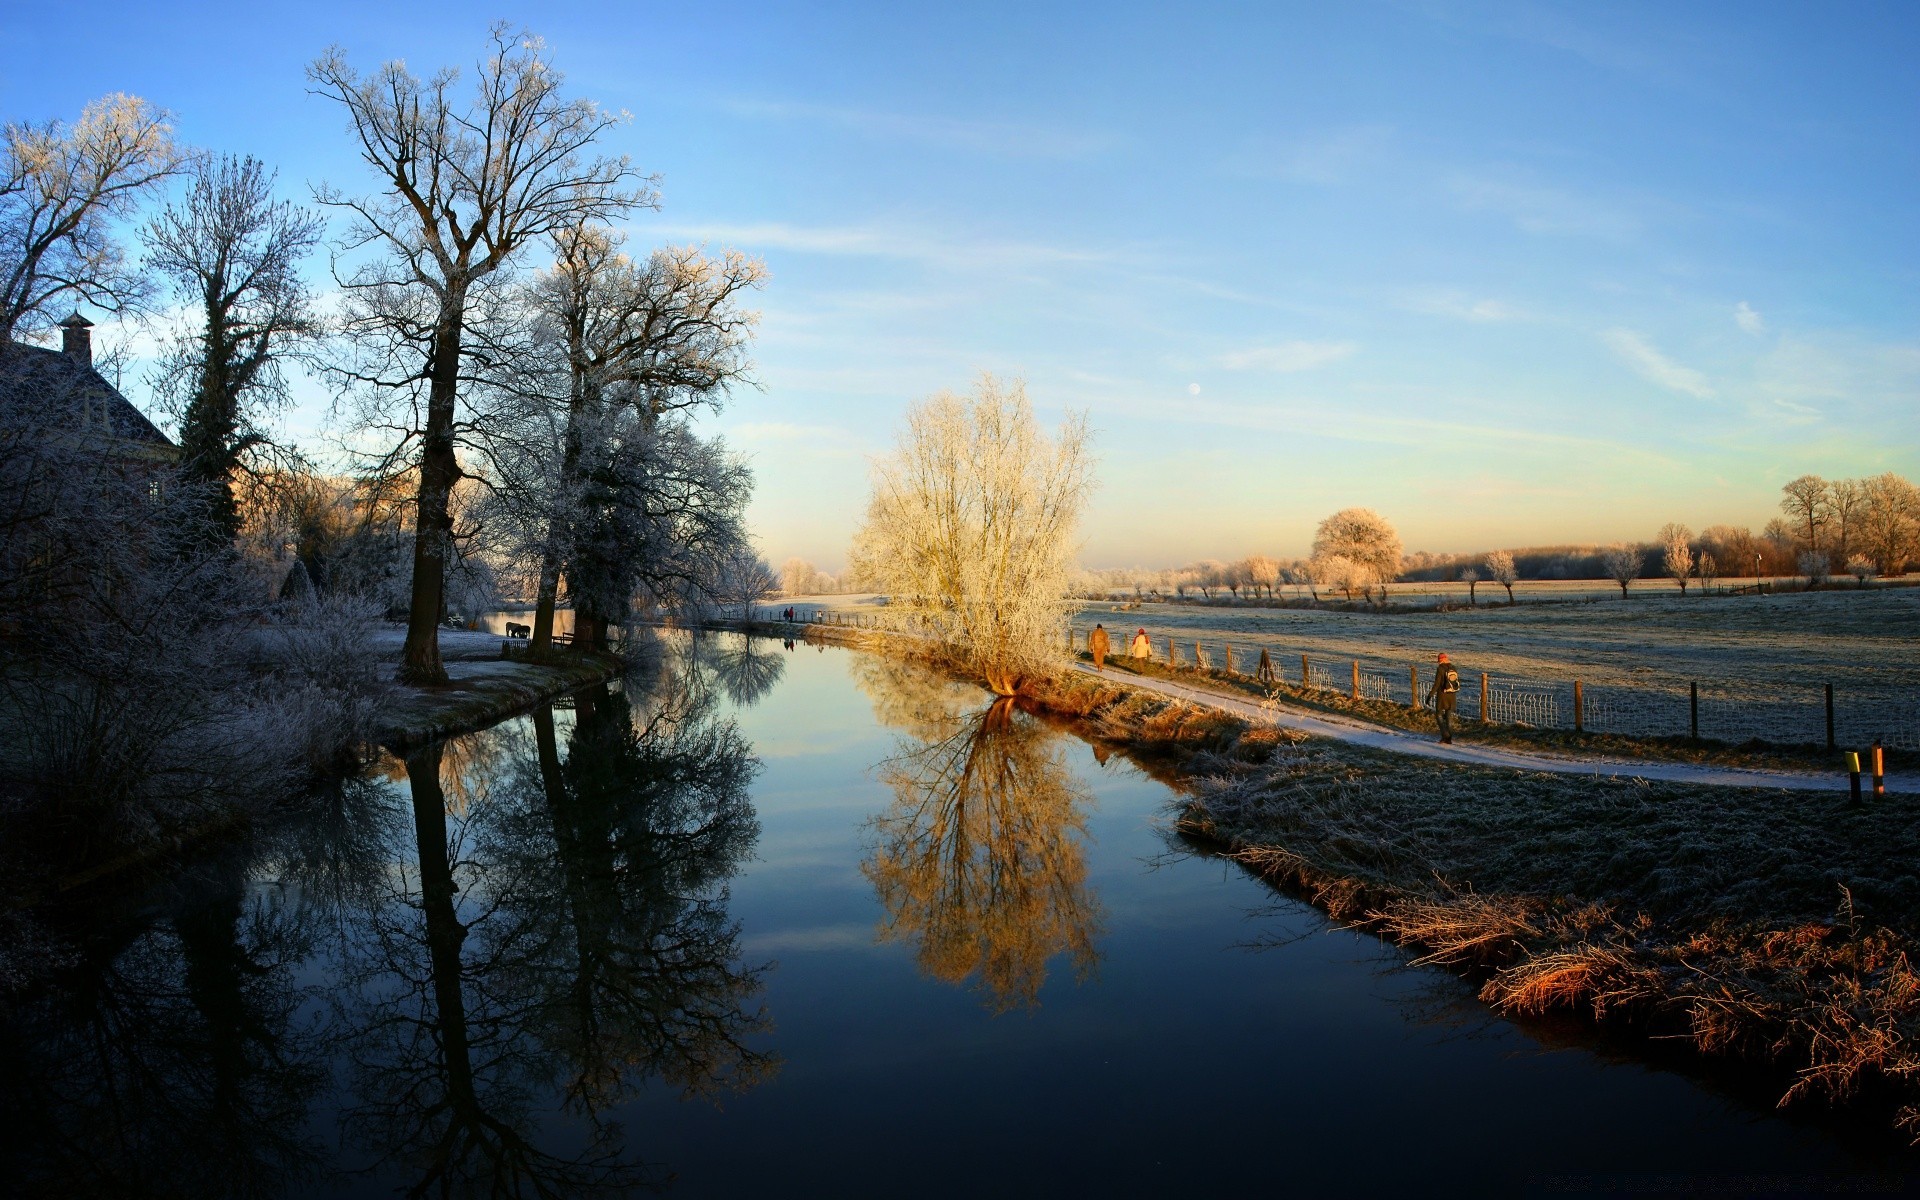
1193,389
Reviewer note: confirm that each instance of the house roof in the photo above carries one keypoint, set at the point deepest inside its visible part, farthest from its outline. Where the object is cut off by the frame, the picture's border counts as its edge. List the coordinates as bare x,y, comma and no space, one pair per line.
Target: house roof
52,390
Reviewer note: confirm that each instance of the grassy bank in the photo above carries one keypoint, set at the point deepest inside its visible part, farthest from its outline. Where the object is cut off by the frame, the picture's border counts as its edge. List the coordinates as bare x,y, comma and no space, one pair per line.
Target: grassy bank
1773,926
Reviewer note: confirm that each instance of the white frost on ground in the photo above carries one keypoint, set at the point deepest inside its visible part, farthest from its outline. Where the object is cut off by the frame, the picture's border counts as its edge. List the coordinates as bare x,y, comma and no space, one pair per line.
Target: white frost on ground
1378,737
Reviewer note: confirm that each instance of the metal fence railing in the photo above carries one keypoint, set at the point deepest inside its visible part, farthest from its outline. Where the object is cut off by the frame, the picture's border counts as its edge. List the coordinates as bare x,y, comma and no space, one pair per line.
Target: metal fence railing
1734,712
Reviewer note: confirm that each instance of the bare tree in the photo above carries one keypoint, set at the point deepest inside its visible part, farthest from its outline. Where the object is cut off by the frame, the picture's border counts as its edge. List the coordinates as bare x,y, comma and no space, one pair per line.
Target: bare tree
1707,570
1622,565
1364,537
1808,503
971,526
1890,522
1263,572
464,189
1471,578
1501,570
1676,553
62,188
232,252
1846,498
658,337
798,577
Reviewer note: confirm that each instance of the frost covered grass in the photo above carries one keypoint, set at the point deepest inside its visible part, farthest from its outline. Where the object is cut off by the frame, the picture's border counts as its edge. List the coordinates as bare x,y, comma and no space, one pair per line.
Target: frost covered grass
1774,926
1866,640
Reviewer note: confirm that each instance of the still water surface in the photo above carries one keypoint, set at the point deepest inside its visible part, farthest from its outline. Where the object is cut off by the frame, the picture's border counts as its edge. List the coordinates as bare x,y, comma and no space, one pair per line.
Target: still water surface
804,922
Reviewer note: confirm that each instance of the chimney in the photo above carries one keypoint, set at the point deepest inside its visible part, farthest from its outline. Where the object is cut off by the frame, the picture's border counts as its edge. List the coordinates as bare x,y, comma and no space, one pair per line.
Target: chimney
76,341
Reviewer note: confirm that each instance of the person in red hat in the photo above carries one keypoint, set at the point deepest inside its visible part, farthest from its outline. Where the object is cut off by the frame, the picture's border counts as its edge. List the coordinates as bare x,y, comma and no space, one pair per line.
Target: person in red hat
1445,690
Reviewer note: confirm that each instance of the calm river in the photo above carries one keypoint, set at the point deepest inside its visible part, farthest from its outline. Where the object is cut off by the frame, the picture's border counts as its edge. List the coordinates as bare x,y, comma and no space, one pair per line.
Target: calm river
800,922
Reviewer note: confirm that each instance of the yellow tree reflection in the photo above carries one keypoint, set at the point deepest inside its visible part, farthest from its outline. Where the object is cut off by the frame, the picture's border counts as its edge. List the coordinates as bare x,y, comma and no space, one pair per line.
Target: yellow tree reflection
981,857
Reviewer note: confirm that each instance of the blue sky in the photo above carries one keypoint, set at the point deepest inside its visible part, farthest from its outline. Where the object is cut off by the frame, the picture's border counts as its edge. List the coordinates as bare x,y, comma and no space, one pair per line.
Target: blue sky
1509,273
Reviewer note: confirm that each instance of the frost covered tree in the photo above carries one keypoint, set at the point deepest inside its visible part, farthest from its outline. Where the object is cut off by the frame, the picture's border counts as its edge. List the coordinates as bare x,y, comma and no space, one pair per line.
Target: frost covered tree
1807,503
464,189
1501,570
970,529
232,253
1263,572
62,189
1890,522
1707,570
1363,537
1622,565
1861,568
653,339
1676,553
1814,565
1471,578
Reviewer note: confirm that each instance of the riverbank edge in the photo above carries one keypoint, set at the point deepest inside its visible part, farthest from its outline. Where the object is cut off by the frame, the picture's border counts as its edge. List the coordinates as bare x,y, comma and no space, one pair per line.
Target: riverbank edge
426,715
1837,1006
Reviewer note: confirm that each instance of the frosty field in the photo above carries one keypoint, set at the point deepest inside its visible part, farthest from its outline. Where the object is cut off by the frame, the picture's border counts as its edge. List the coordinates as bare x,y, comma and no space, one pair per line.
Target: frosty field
1760,661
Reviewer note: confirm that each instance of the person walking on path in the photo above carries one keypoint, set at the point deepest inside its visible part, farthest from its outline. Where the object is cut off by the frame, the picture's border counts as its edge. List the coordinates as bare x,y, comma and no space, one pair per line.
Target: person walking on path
1268,677
1097,643
1445,690
1141,648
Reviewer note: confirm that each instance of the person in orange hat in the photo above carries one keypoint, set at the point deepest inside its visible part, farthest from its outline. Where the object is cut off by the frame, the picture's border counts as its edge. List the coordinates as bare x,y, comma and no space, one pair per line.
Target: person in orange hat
1445,690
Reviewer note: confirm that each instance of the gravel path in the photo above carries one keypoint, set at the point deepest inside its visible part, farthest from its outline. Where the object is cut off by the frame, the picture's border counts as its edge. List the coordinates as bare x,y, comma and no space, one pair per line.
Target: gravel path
1377,737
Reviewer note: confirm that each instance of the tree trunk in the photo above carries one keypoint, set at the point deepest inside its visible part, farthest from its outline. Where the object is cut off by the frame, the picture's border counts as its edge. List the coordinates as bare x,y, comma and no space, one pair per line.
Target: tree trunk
433,523
445,934
549,593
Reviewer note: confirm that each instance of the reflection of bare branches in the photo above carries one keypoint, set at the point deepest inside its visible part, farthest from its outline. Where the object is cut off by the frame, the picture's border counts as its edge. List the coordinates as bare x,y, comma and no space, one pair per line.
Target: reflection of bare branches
570,936
744,673
981,857
908,696
170,1060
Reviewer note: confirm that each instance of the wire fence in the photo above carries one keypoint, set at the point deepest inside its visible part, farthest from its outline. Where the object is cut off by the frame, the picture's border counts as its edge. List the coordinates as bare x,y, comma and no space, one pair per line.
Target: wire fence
1785,714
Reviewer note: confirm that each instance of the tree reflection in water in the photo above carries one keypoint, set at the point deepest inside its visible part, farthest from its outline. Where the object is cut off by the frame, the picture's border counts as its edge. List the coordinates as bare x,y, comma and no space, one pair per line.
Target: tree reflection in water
981,857
168,1058
568,936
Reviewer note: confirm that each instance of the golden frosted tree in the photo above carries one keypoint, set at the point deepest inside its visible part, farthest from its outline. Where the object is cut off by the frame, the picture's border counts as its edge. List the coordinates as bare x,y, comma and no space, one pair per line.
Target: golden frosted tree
970,530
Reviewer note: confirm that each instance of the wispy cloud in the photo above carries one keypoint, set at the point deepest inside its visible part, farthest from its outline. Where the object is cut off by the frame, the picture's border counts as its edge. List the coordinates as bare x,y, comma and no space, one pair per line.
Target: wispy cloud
1749,320
1326,158
1654,366
1461,306
956,251
1542,209
1011,139
1287,357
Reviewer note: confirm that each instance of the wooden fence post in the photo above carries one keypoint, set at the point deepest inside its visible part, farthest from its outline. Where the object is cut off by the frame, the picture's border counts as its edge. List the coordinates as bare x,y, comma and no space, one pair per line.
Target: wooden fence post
1229,663
1356,679
1579,725
1830,744
1172,662
1483,697
1413,687
1306,676
1693,710
1879,770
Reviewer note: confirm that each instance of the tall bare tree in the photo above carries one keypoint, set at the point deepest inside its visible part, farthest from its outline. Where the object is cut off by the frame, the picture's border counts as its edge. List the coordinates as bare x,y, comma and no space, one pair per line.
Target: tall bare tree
1808,503
465,188
1845,500
659,337
970,529
62,188
233,252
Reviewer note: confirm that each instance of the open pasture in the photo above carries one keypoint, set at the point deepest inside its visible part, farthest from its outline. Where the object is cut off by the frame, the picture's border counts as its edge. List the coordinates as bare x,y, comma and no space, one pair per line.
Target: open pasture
1760,662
